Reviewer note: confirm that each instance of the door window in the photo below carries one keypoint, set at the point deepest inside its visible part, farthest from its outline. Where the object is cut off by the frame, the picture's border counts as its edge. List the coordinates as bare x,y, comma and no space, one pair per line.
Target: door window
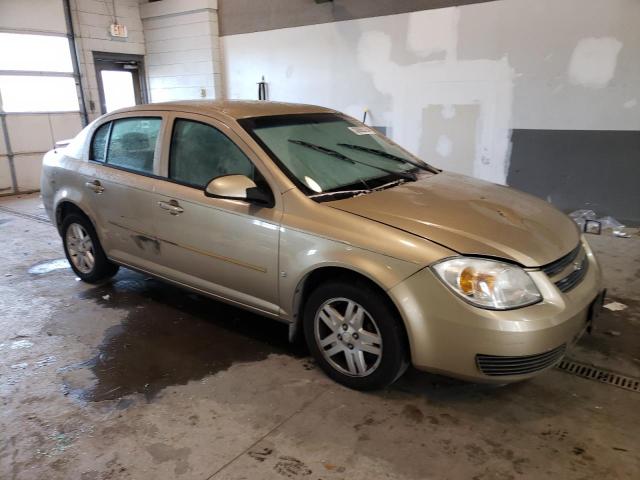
99,143
200,152
132,143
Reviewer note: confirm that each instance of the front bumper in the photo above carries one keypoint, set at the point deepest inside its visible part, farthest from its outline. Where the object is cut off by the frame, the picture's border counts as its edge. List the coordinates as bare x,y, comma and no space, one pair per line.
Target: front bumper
447,335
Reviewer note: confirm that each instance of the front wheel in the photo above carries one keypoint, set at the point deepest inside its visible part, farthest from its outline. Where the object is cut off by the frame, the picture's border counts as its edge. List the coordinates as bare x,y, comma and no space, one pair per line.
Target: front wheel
354,335
83,250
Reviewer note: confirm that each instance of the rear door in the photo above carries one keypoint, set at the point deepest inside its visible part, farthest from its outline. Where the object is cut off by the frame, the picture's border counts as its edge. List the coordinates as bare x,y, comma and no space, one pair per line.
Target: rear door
125,154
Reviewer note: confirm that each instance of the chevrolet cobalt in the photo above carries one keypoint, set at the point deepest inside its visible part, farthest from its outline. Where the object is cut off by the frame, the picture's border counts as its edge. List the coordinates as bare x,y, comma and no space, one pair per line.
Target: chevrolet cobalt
307,216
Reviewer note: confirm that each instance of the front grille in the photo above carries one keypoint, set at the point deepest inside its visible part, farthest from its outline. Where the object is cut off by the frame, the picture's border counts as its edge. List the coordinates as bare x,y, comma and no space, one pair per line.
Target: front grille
556,267
571,280
572,276
495,365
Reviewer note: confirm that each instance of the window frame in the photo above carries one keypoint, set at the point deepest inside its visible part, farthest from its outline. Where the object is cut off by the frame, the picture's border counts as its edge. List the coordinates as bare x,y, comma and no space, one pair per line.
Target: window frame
157,152
170,148
163,145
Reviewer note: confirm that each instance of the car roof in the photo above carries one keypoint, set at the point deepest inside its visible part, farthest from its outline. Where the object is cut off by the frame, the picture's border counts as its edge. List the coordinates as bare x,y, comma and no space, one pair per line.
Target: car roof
231,108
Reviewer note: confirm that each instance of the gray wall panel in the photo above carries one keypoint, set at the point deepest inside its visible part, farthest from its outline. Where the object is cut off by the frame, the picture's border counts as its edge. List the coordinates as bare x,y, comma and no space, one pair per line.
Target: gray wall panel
245,16
596,169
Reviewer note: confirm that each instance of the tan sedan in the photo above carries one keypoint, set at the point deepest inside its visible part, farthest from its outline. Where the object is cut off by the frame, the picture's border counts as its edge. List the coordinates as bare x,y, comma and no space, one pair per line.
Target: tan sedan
307,216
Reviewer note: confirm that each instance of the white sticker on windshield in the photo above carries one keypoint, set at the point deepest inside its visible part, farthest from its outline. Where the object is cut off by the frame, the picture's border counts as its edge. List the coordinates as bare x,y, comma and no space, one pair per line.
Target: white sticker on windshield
362,130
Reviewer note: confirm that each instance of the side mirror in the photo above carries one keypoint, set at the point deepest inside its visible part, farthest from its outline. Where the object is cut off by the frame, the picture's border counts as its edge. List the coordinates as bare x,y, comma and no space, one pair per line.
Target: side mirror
237,187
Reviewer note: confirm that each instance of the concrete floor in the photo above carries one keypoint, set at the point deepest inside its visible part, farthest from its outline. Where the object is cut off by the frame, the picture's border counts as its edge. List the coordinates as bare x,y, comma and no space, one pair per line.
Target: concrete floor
136,379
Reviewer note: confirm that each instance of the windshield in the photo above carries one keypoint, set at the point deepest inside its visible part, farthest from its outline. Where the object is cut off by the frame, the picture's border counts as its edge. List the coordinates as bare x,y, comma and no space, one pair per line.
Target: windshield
326,152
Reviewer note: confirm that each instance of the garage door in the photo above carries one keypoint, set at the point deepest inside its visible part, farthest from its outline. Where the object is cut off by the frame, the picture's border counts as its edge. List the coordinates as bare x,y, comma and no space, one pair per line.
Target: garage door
38,93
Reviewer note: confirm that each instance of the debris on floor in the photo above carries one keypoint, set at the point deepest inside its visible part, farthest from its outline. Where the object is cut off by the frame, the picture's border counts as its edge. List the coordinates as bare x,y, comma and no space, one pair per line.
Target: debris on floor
621,234
615,306
581,216
613,333
589,222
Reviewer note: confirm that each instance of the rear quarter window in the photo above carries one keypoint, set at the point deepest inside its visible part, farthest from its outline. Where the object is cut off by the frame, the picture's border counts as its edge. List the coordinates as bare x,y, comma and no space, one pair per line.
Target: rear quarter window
99,143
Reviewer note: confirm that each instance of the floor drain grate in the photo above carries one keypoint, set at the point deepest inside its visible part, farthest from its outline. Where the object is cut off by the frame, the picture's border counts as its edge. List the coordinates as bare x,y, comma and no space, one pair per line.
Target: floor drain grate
600,375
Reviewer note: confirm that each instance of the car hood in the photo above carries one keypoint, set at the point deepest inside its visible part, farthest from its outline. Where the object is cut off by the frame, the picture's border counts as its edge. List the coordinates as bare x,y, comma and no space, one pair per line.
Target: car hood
472,217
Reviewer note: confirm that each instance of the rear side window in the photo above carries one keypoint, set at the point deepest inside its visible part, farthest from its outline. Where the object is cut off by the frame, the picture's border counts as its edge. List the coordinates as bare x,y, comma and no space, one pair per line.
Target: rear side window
132,143
99,143
200,152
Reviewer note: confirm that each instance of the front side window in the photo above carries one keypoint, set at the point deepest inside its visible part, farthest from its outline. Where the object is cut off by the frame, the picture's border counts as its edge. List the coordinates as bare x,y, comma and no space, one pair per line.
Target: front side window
132,143
99,143
200,152
328,153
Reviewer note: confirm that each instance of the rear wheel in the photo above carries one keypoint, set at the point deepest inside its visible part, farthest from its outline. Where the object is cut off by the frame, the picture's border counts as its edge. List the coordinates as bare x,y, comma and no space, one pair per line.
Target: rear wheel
354,335
83,250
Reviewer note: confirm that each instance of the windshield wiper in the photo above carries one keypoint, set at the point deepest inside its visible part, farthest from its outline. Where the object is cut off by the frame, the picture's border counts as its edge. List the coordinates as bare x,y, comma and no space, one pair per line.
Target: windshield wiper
333,153
353,193
382,153
350,193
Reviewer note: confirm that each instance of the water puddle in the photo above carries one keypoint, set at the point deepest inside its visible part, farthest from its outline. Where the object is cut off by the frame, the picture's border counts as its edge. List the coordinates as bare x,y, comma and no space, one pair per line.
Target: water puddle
20,344
49,266
169,337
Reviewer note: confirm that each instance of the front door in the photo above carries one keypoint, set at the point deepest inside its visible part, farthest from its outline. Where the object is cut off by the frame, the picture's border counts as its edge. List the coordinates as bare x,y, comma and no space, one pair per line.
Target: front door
224,247
120,80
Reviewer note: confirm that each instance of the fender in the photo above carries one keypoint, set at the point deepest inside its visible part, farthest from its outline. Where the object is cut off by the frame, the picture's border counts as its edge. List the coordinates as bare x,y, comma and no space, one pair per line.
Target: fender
74,190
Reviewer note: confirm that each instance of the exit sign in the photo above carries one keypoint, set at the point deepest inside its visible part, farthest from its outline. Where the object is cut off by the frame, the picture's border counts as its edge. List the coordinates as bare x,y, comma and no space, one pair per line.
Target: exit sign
117,30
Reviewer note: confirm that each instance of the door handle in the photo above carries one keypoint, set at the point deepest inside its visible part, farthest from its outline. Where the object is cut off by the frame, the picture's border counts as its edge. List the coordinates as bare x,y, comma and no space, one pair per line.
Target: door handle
96,186
172,206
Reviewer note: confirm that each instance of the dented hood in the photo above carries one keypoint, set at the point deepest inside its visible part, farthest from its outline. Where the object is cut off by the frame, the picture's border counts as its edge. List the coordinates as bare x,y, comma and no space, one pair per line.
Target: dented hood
472,217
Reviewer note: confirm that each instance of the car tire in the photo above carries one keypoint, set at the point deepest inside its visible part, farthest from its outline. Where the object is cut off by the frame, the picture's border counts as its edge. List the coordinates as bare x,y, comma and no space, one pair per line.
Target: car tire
355,335
83,250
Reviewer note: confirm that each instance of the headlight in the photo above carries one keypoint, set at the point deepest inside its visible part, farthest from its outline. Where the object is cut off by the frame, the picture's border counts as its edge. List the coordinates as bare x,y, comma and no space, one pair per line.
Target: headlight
488,283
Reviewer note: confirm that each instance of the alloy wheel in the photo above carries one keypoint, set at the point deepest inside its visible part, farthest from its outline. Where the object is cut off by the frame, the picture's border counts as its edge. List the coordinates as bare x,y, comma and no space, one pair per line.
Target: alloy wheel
80,248
348,337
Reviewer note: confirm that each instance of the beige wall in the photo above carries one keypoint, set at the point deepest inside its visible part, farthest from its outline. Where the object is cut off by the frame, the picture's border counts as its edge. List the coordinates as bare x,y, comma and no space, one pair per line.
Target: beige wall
183,51
91,21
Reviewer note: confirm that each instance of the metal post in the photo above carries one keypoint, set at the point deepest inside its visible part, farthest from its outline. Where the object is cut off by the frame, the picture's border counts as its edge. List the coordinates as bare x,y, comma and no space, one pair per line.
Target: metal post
74,60
7,144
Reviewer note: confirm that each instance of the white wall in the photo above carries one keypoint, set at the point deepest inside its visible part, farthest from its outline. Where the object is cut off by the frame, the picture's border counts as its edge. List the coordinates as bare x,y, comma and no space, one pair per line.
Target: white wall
450,84
183,52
